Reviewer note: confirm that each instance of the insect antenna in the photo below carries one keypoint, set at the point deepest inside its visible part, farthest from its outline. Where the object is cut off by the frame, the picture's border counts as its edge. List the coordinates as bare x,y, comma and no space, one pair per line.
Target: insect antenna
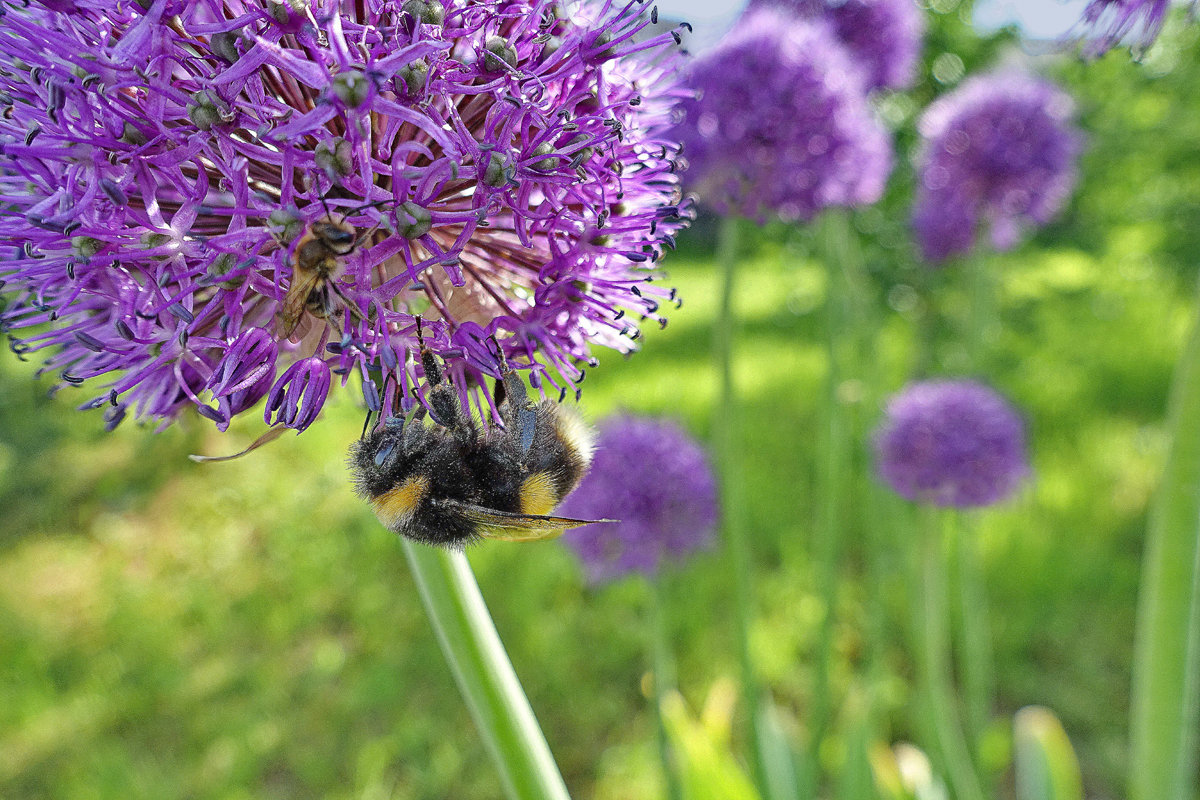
364,206
368,233
325,206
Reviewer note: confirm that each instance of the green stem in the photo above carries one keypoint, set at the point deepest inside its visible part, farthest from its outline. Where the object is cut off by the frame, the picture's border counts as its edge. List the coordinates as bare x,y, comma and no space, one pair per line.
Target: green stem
1166,667
925,328
975,648
974,627
725,441
484,674
833,475
664,677
933,665
981,310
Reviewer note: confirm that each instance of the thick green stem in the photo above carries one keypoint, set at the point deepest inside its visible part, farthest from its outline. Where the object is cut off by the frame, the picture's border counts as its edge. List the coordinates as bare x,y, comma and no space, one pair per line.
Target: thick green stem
484,674
1166,667
933,665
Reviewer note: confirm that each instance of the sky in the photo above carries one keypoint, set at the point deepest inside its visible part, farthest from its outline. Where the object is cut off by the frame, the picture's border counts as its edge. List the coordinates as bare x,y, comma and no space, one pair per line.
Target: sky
1039,19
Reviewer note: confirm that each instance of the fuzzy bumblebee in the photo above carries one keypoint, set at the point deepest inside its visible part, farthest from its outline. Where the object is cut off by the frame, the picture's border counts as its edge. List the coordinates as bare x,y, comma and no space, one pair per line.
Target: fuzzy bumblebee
450,483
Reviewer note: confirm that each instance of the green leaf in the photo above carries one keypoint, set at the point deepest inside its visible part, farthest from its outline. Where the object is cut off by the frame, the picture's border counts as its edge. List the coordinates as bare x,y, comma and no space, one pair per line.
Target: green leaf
1166,658
905,773
1045,763
708,769
775,755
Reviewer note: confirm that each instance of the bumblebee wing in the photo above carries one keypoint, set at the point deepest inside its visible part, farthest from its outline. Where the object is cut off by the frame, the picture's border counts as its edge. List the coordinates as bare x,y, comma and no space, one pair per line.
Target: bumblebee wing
512,527
296,300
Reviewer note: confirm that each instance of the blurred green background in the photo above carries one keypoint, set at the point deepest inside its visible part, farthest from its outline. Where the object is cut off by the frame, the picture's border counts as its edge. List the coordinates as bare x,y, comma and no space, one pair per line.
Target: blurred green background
247,629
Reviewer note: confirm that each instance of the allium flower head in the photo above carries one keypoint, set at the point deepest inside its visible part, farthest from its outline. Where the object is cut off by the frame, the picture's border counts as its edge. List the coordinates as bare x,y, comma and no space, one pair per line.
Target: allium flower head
951,443
883,36
654,478
500,165
999,150
1108,23
782,126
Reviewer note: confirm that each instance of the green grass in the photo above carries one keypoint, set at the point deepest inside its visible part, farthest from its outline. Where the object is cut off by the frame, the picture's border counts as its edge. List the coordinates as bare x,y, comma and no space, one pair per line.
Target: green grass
249,630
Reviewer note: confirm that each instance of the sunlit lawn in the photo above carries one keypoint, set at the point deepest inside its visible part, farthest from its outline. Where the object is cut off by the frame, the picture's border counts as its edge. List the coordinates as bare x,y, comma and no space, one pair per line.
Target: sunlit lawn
169,629
248,629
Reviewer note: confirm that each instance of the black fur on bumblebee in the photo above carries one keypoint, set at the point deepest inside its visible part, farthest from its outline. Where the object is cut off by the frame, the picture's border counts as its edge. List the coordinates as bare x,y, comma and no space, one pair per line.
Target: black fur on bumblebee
454,482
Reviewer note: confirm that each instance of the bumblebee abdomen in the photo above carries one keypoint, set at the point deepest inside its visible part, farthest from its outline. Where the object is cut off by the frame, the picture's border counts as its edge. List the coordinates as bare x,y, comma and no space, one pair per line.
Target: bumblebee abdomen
540,494
414,510
497,475
562,447
397,506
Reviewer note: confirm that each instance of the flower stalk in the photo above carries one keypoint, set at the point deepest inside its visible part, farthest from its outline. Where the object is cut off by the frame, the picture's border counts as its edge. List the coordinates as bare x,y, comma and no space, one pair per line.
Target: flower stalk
942,719
834,473
484,674
663,666
725,443
974,646
973,639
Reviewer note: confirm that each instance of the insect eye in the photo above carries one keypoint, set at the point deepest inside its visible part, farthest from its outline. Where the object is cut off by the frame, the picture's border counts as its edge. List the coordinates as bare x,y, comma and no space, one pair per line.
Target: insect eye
381,455
339,236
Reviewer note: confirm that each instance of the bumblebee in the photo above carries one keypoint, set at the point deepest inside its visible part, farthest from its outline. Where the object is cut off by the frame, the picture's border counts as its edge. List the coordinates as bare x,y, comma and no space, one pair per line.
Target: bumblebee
318,260
451,484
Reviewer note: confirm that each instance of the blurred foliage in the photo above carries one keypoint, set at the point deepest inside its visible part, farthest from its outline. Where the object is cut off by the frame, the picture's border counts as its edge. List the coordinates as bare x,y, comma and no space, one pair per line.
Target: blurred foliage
248,630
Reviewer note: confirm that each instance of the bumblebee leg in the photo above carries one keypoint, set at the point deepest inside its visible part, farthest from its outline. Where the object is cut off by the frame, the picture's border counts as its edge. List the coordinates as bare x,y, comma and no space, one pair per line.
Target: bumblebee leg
510,392
446,410
518,414
444,406
412,427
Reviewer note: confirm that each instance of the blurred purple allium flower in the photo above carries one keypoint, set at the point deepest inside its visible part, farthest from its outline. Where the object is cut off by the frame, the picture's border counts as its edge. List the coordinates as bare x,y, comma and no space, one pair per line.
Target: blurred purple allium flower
1107,23
782,126
503,162
654,478
951,443
883,36
1001,150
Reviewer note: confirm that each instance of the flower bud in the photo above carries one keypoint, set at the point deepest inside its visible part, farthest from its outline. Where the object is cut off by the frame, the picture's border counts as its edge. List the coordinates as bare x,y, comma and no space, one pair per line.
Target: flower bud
428,12
414,221
499,53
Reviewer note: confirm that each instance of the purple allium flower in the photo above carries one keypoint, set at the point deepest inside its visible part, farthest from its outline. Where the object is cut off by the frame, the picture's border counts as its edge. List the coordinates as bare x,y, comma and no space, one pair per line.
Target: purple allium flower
883,36
951,443
655,479
162,163
1107,23
1001,150
782,125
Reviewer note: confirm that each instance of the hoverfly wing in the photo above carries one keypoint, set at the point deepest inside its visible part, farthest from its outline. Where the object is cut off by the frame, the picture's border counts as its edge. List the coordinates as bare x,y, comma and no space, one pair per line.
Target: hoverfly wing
296,301
511,527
